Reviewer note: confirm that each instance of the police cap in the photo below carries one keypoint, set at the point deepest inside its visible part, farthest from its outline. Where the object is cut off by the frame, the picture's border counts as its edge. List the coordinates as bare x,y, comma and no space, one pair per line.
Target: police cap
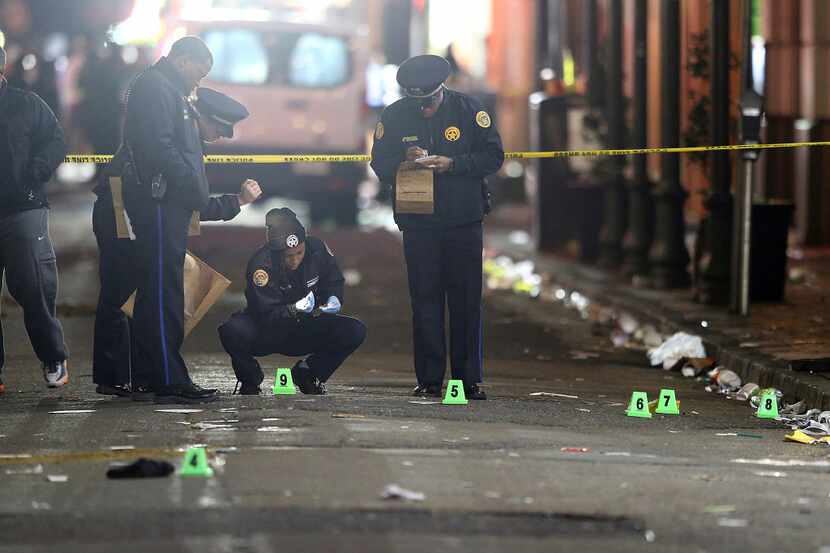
422,76
221,108
283,230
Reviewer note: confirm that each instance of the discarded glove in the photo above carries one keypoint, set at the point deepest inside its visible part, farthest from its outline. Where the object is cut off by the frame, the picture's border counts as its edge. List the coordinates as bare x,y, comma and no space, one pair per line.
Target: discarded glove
142,468
305,305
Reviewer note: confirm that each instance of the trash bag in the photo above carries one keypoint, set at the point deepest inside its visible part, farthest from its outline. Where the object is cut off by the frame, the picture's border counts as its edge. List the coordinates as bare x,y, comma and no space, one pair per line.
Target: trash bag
679,345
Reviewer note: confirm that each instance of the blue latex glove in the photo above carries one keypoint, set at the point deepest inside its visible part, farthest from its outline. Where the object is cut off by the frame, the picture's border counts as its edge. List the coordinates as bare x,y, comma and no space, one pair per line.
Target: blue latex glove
332,306
305,305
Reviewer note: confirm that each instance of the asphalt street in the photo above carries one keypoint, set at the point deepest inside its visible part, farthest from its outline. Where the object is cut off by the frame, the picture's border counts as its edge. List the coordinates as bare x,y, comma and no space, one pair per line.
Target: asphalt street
564,470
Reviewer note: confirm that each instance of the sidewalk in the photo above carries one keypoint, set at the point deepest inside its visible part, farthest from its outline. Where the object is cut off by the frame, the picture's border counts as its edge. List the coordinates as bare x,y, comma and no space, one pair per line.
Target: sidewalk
785,345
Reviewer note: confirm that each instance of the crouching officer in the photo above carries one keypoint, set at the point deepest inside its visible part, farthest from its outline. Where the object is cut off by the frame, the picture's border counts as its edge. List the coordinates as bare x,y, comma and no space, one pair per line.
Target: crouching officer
113,347
294,294
452,135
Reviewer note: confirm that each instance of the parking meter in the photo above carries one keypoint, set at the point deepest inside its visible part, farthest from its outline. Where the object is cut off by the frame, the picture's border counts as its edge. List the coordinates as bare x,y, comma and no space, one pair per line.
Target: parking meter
752,111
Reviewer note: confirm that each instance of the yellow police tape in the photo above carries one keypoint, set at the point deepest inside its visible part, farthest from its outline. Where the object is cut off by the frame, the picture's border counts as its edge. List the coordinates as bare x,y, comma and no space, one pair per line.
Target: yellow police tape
363,158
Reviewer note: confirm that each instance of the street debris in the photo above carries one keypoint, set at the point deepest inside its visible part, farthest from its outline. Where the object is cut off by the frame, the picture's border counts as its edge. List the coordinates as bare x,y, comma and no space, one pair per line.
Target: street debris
552,394
575,449
72,412
394,491
273,429
121,447
179,411
747,391
212,426
782,463
141,468
678,346
650,536
770,473
36,469
57,478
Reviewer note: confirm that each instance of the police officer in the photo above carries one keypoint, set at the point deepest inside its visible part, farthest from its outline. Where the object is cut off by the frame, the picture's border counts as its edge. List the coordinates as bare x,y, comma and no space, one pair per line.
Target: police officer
111,360
31,148
294,294
162,134
452,134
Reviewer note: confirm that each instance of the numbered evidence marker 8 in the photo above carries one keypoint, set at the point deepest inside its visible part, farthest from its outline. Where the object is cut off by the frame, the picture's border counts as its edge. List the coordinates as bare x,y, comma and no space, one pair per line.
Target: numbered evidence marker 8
638,406
195,463
455,393
283,383
667,403
768,409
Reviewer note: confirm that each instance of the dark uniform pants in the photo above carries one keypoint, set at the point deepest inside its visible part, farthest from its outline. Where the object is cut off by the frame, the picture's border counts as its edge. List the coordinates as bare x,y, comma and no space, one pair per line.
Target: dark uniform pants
118,275
330,339
444,268
28,260
158,319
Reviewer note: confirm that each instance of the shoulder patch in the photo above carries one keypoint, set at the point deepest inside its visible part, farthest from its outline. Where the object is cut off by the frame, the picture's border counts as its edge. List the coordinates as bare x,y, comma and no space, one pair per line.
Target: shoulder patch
260,278
483,119
379,130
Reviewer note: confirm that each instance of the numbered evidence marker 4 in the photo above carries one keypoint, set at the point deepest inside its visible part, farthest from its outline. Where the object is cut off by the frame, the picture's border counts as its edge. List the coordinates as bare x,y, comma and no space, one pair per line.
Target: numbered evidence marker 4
638,407
283,383
195,463
768,409
455,393
667,403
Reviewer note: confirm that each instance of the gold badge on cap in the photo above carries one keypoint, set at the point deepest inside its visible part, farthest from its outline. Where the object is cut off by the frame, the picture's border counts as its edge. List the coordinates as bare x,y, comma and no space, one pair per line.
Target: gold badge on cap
379,130
260,278
483,119
452,134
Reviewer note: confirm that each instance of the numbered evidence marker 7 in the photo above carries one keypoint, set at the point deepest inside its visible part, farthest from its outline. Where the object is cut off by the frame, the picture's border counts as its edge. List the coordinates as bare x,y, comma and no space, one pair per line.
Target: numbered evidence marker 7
638,406
455,393
283,383
667,403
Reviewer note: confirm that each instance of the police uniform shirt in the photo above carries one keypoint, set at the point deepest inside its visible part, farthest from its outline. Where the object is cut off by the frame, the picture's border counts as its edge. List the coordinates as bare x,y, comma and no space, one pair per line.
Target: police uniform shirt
271,289
461,129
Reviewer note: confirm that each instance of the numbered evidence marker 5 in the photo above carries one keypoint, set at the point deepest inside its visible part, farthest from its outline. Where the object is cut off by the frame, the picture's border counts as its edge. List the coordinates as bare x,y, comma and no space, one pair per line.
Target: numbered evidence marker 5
667,403
768,409
638,406
283,383
455,393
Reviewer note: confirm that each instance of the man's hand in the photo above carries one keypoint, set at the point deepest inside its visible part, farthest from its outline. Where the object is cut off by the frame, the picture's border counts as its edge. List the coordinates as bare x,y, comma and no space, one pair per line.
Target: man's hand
305,305
249,192
439,164
332,306
414,152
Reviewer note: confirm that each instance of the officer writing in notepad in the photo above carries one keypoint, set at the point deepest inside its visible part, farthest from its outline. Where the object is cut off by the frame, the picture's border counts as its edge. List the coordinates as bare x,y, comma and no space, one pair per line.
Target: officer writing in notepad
450,134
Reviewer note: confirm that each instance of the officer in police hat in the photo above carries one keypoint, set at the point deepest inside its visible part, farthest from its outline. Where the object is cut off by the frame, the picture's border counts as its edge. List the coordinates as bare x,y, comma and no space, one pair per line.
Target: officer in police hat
452,135
294,294
112,361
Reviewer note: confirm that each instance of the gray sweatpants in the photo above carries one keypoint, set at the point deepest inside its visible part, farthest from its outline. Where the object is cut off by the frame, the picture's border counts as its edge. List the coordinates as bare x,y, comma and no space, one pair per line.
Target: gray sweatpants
28,260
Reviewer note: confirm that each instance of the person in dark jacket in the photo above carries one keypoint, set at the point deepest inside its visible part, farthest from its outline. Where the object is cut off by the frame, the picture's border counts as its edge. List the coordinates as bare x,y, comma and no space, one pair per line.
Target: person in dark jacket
169,184
113,345
452,135
31,148
294,294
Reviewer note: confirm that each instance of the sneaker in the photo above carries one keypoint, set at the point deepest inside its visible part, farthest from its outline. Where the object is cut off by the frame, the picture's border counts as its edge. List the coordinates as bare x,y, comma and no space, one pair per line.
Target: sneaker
245,389
55,374
427,390
142,393
186,393
120,390
474,392
307,382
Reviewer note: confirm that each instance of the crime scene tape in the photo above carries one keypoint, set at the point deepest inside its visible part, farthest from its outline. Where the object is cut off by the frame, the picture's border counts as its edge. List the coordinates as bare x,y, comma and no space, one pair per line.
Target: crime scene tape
363,158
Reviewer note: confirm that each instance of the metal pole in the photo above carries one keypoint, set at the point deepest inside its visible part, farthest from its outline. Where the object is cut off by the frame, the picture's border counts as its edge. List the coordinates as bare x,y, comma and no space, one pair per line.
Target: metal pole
746,234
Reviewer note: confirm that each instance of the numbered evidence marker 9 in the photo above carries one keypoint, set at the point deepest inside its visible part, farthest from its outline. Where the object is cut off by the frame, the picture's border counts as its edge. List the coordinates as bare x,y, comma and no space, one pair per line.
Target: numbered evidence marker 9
195,463
667,403
283,383
638,407
768,409
455,393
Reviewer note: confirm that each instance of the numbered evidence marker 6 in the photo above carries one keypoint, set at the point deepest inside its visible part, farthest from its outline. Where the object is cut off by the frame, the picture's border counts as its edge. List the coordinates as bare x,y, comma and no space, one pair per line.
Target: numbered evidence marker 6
768,409
455,393
283,383
638,407
195,463
667,403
